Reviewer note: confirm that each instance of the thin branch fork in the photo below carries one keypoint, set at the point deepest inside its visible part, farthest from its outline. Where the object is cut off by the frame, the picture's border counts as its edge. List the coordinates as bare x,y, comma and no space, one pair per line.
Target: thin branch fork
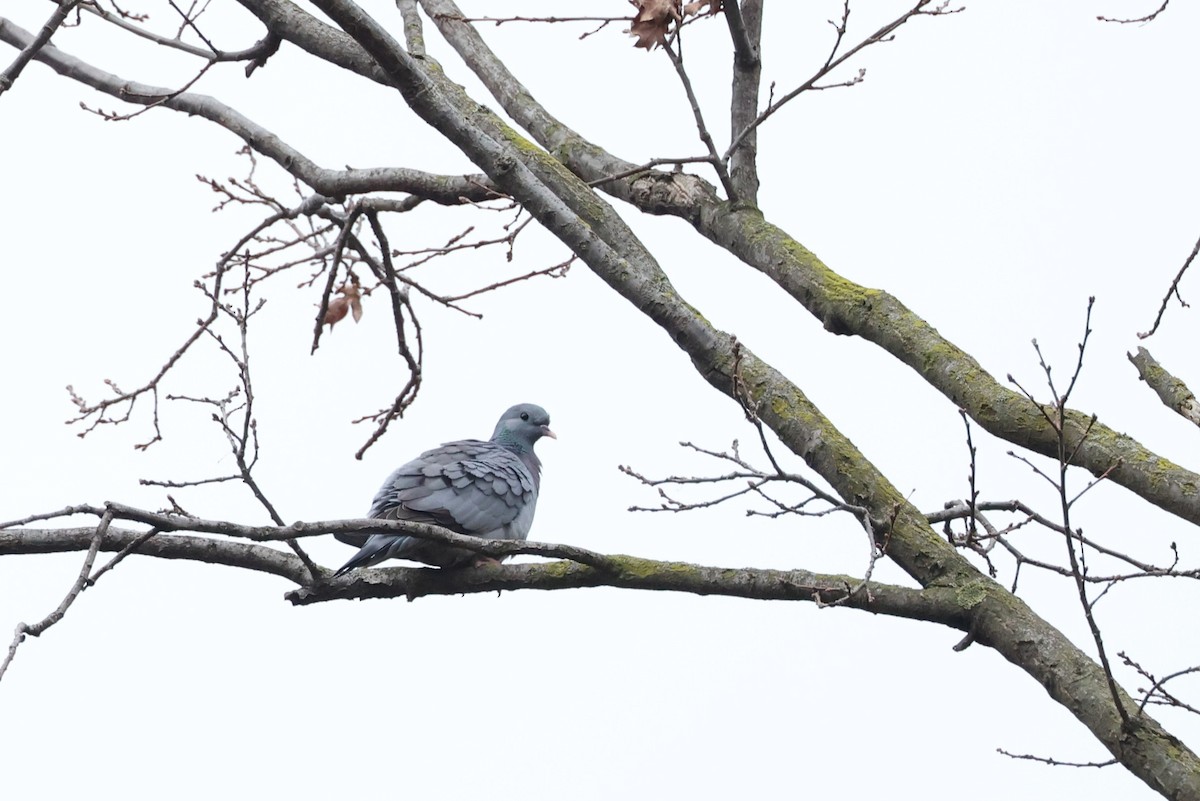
1173,290
256,54
1065,457
961,510
99,411
714,158
400,302
649,165
30,51
1157,693
884,34
745,47
84,580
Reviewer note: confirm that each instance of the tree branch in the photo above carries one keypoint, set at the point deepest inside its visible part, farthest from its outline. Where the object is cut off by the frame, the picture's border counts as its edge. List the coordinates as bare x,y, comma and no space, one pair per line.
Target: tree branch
701,126
745,28
1145,18
256,53
448,190
584,569
884,34
261,558
630,572
30,50
81,582
1173,289
1174,394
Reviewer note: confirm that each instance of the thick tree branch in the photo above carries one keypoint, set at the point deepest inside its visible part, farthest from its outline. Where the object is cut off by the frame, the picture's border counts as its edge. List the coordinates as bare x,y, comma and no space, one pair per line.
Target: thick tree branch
847,308
292,24
261,558
584,568
630,572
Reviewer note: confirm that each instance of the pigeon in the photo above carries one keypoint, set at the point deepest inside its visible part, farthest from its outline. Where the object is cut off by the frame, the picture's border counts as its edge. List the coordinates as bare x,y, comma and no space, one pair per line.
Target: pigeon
485,489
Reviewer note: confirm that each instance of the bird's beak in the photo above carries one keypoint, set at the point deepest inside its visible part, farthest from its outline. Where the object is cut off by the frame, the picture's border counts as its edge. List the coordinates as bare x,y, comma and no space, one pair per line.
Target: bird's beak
546,432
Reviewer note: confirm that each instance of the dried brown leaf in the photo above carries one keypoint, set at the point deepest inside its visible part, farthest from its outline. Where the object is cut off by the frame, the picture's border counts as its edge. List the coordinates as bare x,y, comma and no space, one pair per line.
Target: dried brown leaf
652,21
336,311
714,7
349,300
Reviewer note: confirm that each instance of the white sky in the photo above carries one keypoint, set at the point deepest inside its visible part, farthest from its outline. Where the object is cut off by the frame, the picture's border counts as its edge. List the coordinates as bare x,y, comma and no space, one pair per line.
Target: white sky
995,169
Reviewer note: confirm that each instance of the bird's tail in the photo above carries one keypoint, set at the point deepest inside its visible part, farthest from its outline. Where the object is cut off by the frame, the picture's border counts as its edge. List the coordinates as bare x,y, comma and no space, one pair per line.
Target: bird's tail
375,550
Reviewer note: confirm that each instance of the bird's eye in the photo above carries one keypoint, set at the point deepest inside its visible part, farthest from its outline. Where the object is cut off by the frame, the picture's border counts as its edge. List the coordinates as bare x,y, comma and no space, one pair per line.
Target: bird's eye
525,416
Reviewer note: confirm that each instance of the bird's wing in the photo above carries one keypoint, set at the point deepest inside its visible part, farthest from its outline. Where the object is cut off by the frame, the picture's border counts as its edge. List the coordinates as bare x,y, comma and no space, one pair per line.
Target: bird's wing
470,486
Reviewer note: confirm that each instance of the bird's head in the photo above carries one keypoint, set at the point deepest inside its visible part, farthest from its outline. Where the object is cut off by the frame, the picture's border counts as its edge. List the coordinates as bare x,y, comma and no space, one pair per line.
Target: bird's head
523,425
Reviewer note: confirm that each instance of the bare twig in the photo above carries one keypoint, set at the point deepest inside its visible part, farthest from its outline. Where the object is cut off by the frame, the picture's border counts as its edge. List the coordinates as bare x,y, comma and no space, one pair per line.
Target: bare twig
993,534
498,21
1173,290
1157,693
714,158
256,54
98,412
122,554
756,481
1066,454
400,304
148,101
554,271
188,20
649,165
1147,18
1057,762
972,489
833,61
81,582
13,70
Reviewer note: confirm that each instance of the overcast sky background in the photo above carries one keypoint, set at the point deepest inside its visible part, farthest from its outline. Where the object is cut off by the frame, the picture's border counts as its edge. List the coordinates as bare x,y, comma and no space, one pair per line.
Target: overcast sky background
995,169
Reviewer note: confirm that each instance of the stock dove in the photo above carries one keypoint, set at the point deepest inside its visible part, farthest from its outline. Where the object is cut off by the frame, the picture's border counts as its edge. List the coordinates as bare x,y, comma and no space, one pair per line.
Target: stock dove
485,489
